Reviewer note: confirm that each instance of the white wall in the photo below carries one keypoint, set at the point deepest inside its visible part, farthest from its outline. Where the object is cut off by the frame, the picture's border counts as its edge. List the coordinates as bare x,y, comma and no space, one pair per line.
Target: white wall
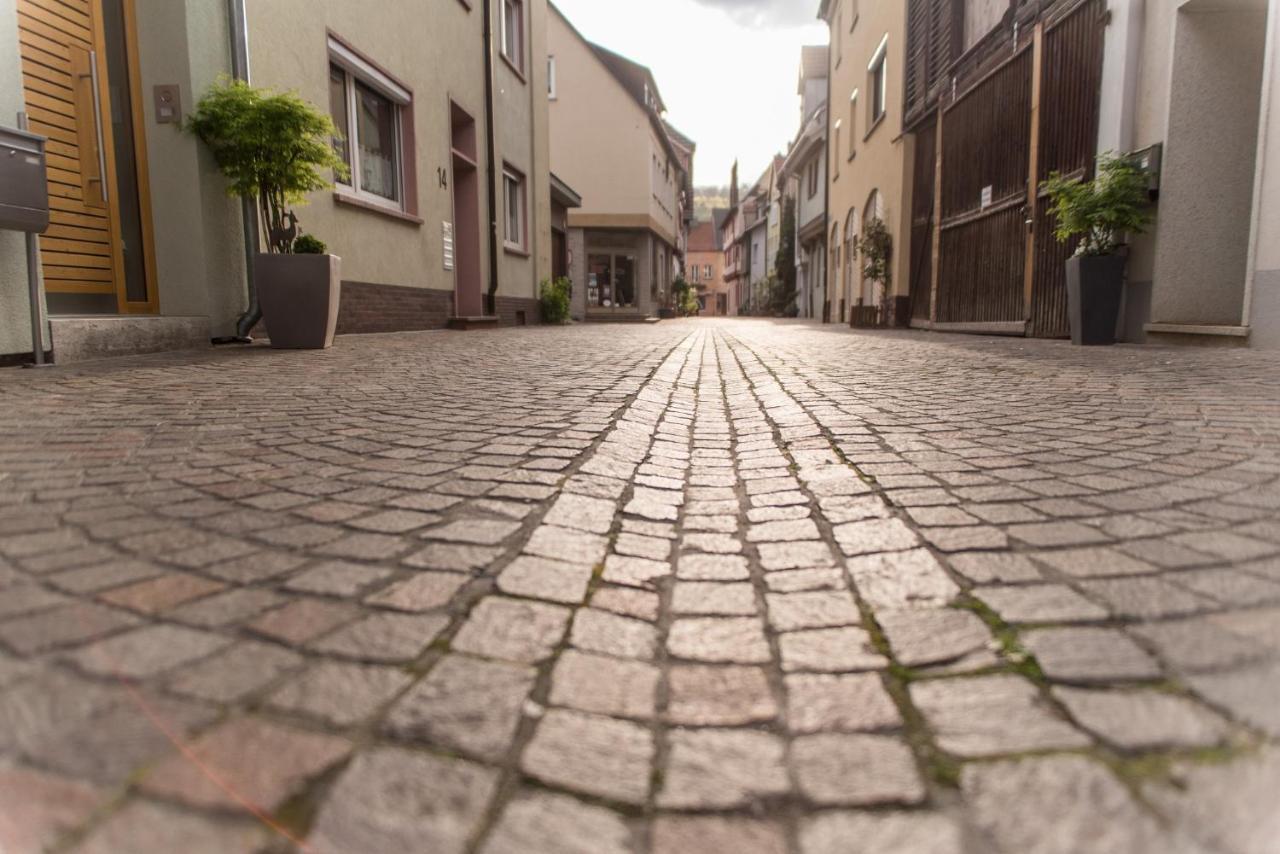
15,317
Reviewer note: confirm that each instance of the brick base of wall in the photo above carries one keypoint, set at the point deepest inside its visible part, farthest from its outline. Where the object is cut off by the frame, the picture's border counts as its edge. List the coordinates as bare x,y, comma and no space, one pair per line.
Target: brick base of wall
518,311
368,308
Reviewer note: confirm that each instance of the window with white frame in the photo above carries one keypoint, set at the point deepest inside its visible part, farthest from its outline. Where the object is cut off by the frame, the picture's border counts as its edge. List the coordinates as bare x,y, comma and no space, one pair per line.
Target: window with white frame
709,274
835,152
853,124
514,197
551,77
878,82
368,107
513,32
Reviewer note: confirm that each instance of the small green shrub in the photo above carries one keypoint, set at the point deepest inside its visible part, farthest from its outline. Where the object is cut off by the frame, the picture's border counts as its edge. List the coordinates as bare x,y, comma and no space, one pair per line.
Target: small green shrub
685,297
309,244
554,298
1102,211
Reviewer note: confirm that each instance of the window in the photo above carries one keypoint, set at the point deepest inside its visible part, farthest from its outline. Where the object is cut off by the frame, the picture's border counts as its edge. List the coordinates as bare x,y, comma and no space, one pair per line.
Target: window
694,274
513,194
878,83
835,152
853,124
838,37
551,77
709,274
813,177
370,110
513,32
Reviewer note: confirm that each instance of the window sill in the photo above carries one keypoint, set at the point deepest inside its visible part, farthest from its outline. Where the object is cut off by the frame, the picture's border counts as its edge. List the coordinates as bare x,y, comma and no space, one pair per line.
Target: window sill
875,125
356,202
515,250
517,70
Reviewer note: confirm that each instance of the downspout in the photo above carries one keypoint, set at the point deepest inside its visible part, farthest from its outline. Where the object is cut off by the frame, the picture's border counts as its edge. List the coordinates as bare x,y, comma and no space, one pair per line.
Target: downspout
491,299
826,205
239,22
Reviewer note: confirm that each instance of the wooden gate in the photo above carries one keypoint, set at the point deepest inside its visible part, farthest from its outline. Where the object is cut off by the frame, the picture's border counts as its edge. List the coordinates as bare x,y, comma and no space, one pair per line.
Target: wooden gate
998,267
922,201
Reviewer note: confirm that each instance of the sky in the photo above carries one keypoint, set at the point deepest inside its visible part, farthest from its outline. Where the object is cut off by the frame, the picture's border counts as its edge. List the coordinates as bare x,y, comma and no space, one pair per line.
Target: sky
727,70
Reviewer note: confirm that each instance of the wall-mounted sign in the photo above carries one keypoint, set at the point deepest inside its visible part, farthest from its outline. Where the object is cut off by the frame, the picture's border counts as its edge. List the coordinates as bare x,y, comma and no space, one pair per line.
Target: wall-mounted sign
988,193
447,229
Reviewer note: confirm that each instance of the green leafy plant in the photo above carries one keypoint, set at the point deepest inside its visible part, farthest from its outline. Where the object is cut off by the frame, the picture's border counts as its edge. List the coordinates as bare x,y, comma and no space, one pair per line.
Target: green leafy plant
1102,211
274,148
876,246
685,297
309,244
554,299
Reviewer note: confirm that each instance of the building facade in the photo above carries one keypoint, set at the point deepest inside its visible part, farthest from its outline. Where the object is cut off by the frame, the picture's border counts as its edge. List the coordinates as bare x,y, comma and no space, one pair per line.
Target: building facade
414,225
704,266
1207,270
870,159
145,250
609,142
445,216
803,177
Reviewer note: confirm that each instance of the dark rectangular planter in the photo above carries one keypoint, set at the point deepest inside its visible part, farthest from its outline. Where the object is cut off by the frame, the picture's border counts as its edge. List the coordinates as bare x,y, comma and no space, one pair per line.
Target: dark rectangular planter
299,295
1095,285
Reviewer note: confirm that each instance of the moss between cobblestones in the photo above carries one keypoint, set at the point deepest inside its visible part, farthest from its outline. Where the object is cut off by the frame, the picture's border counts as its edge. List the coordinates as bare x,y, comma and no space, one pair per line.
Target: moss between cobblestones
1015,654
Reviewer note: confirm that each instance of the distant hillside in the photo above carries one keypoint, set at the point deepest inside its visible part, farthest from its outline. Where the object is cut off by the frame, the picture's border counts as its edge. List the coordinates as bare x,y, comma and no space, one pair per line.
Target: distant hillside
707,198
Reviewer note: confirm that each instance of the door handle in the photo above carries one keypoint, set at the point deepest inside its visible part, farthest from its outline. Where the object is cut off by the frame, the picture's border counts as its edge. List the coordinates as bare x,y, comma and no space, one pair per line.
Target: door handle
97,122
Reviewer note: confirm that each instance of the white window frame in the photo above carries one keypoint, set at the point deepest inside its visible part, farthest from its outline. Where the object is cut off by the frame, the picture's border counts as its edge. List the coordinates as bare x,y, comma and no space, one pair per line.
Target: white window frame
879,63
853,126
357,69
518,41
513,175
551,78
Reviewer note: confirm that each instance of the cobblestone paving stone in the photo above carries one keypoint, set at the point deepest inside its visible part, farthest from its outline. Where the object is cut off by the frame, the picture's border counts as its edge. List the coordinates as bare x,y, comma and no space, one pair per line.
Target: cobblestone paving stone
702,586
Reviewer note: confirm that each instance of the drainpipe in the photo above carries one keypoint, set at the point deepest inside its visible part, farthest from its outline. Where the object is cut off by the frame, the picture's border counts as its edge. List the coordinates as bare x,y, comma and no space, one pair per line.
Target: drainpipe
239,22
491,299
826,204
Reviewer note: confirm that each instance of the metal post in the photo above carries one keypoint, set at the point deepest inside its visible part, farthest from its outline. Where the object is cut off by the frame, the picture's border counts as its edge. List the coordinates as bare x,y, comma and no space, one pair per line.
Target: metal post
33,286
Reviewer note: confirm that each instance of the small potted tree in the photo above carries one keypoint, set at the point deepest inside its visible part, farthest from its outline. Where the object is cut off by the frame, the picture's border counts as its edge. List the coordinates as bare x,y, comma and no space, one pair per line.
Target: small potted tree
1099,213
876,246
275,148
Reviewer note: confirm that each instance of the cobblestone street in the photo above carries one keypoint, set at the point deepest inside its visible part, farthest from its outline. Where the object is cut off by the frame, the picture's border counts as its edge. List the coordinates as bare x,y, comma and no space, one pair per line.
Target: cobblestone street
743,586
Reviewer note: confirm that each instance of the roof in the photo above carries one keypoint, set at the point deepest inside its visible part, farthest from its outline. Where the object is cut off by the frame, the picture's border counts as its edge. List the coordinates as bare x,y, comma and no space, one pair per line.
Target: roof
634,77
704,237
563,194
814,59
677,137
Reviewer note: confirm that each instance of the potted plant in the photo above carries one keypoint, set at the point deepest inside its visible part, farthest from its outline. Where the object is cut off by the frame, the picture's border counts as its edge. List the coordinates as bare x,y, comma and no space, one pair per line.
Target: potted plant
275,148
876,247
1100,213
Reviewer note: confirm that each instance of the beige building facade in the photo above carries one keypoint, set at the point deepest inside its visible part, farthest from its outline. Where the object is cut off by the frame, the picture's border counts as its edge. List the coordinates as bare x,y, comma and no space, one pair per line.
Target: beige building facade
147,252
870,159
414,225
609,143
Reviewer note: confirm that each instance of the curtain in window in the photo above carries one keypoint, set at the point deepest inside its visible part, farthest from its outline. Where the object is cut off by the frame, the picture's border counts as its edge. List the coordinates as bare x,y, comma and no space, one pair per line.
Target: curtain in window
376,133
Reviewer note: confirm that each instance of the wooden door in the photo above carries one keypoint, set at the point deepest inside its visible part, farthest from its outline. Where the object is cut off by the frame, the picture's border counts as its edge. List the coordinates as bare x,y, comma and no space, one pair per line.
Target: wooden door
67,94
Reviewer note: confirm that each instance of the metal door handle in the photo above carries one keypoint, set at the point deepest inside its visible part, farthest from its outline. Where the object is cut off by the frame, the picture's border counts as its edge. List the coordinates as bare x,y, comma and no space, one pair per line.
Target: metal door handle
97,121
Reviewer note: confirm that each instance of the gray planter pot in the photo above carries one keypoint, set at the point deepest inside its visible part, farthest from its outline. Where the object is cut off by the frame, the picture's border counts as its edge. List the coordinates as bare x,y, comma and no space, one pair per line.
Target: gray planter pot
1095,285
299,295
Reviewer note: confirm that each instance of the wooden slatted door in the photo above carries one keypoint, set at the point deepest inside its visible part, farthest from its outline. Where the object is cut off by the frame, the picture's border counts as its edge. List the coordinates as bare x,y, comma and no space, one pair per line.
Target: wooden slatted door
67,90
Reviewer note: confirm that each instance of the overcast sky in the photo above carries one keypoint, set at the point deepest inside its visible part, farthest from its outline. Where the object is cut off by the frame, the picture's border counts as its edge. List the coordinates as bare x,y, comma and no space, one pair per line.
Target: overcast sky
727,69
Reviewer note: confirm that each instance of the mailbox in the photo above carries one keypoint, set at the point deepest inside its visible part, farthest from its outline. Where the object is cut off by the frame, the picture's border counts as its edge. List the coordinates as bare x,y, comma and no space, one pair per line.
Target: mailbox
24,187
